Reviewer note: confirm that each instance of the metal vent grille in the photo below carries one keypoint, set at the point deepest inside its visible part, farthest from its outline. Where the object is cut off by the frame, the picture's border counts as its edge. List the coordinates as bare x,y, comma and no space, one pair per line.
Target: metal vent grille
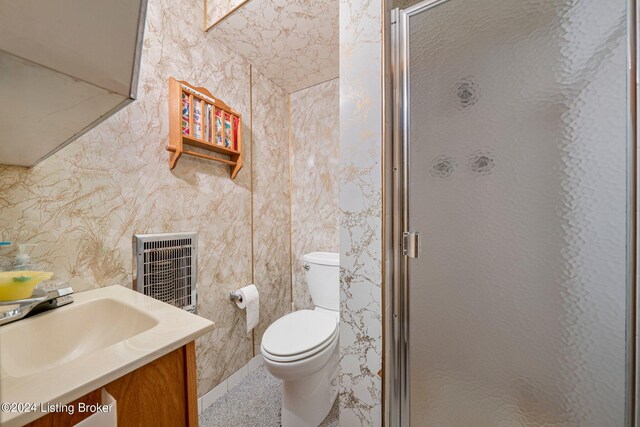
166,267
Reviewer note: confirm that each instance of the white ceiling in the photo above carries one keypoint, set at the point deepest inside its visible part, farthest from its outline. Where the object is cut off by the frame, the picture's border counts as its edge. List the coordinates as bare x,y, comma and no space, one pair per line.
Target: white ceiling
292,42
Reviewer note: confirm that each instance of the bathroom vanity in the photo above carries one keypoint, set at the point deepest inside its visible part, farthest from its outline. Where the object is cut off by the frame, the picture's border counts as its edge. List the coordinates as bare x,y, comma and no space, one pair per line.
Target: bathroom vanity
163,392
139,350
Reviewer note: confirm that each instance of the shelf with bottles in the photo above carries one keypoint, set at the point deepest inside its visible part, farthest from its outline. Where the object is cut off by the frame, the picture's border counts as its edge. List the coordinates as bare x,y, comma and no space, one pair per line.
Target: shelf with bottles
198,119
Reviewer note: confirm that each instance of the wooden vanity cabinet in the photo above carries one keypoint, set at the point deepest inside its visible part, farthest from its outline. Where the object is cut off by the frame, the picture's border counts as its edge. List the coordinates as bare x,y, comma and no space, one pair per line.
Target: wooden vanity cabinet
160,393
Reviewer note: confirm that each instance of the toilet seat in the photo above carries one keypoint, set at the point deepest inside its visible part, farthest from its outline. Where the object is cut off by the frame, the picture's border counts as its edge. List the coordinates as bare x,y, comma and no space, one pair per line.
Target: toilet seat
299,335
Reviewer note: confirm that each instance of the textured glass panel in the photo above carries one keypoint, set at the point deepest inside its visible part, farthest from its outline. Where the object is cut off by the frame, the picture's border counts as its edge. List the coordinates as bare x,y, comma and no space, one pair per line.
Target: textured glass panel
517,184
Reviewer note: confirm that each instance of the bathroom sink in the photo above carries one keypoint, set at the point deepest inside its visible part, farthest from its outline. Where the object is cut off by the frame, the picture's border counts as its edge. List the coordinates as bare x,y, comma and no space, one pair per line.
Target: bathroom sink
60,355
60,336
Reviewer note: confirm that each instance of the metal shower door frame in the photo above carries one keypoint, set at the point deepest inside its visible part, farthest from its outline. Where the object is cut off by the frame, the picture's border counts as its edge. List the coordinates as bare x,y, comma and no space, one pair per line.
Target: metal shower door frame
396,326
398,331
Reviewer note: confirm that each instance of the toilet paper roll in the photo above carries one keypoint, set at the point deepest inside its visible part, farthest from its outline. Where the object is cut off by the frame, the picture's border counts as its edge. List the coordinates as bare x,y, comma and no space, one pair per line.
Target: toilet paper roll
250,302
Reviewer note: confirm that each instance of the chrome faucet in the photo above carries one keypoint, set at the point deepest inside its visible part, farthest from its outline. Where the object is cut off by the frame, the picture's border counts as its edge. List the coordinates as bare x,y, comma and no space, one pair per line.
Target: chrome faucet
38,302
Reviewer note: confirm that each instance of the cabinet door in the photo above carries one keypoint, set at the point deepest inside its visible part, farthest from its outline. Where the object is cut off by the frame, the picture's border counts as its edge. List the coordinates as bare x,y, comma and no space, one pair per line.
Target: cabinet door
162,392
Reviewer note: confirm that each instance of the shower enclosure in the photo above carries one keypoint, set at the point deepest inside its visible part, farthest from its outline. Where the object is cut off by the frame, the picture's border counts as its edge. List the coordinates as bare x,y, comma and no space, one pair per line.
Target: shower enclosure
513,214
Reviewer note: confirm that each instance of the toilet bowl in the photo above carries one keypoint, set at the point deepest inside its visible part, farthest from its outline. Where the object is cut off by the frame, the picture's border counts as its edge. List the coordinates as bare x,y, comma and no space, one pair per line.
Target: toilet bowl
301,348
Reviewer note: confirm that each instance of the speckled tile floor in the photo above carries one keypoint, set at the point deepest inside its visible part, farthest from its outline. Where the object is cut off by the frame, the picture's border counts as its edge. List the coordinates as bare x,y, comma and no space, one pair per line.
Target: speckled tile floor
255,402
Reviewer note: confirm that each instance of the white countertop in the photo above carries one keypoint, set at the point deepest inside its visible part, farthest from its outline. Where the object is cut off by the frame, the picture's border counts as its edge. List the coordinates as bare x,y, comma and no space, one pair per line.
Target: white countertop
78,376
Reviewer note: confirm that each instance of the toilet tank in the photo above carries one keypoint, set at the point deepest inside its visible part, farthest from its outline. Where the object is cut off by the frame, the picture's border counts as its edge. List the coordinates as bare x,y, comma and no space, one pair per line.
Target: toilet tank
323,278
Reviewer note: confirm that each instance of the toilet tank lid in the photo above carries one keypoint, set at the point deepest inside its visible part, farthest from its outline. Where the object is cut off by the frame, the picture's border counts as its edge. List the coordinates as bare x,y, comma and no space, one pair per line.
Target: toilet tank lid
323,258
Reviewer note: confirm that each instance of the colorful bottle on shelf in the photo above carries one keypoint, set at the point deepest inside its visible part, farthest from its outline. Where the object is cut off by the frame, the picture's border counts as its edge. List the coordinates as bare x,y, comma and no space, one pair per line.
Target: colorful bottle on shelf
236,122
207,122
227,130
197,119
219,127
185,114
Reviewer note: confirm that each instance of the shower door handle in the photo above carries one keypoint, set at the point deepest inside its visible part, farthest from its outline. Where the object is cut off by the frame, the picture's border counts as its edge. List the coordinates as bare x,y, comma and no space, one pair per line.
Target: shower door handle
411,244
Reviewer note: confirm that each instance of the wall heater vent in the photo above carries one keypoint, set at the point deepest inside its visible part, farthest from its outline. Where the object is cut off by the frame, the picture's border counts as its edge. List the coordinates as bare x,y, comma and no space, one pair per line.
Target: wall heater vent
166,267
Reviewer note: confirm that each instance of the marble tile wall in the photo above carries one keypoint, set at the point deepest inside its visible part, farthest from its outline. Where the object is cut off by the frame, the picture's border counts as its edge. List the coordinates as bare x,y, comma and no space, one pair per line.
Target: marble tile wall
215,10
293,42
315,153
361,78
83,204
271,214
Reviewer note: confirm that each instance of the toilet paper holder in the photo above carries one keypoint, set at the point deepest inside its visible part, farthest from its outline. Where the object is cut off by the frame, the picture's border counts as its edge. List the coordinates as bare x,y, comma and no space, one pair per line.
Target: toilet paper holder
235,296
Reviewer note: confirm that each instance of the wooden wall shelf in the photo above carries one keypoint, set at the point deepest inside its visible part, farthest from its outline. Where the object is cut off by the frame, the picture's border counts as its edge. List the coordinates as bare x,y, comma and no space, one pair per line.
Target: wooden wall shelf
198,119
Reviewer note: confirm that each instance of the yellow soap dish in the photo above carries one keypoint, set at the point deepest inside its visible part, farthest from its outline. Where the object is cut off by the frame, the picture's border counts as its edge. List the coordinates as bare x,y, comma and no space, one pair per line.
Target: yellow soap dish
16,285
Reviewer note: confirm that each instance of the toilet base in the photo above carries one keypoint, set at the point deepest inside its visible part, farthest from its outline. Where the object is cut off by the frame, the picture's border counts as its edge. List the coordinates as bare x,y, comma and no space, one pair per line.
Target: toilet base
306,402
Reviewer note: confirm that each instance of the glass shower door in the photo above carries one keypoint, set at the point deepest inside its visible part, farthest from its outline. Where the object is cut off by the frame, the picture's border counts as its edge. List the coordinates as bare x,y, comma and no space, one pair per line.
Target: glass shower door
516,178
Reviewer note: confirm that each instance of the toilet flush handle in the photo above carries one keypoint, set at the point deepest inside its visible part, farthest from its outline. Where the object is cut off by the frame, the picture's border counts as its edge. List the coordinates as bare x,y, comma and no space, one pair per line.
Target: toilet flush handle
306,266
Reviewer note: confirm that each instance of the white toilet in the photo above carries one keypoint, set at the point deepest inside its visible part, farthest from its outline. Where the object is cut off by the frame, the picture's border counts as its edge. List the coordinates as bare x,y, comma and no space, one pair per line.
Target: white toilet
301,348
